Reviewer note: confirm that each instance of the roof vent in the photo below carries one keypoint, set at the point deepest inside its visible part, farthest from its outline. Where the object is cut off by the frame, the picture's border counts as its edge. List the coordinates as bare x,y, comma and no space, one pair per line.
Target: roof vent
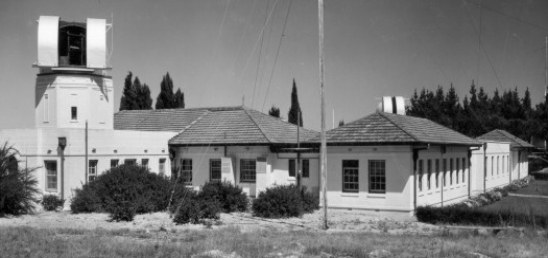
394,105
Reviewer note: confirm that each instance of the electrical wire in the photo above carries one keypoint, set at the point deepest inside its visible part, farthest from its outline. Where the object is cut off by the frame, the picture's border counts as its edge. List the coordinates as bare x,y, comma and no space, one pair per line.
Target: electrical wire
259,59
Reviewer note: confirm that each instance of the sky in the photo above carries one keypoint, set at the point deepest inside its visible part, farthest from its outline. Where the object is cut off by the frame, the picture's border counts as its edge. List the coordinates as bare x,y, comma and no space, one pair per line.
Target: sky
229,52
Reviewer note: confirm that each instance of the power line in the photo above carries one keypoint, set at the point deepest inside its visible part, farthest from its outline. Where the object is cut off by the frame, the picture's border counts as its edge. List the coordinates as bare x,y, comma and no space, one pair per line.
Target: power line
259,59
277,54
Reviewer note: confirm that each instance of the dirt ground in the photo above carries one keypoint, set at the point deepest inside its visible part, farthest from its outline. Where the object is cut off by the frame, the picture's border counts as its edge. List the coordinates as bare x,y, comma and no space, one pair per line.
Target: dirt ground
338,220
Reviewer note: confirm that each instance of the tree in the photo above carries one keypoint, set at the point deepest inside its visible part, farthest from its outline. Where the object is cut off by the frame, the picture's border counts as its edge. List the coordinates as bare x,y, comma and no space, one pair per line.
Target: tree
165,98
295,109
18,187
274,111
128,95
143,101
179,99
341,123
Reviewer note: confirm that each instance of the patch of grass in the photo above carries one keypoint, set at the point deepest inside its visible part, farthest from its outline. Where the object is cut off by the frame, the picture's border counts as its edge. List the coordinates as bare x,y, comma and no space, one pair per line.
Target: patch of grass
536,187
519,205
31,242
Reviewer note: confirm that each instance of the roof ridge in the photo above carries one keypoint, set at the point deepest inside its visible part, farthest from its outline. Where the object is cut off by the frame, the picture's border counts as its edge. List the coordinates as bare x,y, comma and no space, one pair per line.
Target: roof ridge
398,126
191,124
256,124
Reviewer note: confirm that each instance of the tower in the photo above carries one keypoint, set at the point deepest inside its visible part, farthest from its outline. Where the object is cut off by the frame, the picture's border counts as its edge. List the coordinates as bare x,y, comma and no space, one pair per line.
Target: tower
72,84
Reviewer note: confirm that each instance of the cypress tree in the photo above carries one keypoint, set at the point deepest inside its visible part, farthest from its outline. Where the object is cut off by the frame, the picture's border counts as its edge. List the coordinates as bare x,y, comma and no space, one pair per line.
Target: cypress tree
293,114
165,98
179,99
128,94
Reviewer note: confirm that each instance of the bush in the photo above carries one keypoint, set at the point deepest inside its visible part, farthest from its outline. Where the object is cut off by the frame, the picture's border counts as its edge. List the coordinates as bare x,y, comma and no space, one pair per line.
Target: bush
18,189
191,207
311,202
471,216
124,191
283,201
230,197
52,202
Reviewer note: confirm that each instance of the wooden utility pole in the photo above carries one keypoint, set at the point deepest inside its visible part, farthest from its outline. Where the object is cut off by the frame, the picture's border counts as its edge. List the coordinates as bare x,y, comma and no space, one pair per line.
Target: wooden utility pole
323,149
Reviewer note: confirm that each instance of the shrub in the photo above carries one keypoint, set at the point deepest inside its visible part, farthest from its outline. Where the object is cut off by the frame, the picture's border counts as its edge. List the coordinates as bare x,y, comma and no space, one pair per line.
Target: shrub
52,202
124,191
191,207
283,201
311,202
230,197
18,189
471,216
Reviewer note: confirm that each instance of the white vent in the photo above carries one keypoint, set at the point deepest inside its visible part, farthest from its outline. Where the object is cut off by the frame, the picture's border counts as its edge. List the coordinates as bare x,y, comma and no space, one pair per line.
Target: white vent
394,105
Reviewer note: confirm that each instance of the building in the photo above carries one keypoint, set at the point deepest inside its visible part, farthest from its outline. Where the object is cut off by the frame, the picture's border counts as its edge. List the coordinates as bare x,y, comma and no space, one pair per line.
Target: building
76,135
502,159
245,147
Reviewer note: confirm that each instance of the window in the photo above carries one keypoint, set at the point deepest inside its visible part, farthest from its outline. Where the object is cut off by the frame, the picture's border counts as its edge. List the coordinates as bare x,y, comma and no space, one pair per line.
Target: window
248,170
92,170
429,171
420,175
498,165
457,161
377,176
306,168
162,166
450,171
114,163
437,172
186,171
74,113
144,163
130,162
492,165
464,167
291,167
444,172
46,108
51,175
215,170
350,175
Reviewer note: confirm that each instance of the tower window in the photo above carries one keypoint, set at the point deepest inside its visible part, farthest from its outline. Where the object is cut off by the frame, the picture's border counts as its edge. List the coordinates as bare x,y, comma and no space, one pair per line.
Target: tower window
74,113
72,44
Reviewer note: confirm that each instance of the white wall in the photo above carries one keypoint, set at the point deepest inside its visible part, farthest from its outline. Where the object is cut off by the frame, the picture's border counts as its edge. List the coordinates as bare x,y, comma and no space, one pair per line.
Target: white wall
39,145
276,166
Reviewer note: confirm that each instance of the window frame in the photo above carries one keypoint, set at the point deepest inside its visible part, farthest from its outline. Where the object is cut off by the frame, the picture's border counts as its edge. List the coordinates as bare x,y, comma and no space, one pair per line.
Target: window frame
420,168
74,113
306,168
464,167
248,172
374,173
428,174
92,169
162,166
211,168
291,168
144,162
116,163
457,169
355,170
186,171
437,168
51,179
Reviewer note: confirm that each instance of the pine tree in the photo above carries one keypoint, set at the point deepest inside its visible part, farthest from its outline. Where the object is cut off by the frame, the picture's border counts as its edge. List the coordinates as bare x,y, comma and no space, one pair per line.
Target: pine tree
128,95
165,97
179,99
274,111
295,109
341,123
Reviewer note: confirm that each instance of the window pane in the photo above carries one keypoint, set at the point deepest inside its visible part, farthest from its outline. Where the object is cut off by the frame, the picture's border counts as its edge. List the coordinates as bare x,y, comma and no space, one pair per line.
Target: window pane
351,176
291,167
162,166
215,169
420,175
248,170
74,113
92,170
306,168
186,171
51,175
113,163
377,176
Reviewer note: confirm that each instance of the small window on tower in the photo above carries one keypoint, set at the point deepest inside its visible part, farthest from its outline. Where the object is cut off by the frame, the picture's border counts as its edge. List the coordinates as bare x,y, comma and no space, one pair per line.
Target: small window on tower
74,113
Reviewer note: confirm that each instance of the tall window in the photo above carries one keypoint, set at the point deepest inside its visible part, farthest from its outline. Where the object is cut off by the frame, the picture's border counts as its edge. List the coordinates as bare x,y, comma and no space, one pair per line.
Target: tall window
498,165
464,167
492,165
92,170
51,175
437,172
186,171
248,170
162,166
306,168
114,163
351,181
377,176
508,167
429,173
144,163
46,108
503,164
74,113
420,175
291,167
450,171
215,170
457,161
444,172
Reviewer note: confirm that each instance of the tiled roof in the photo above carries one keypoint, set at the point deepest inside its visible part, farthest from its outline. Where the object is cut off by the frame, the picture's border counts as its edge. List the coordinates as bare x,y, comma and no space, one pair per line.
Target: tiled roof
239,126
386,128
173,120
504,136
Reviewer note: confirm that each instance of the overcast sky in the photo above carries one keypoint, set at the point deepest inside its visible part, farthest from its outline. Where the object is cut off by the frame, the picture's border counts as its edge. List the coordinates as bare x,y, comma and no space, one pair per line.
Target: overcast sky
214,53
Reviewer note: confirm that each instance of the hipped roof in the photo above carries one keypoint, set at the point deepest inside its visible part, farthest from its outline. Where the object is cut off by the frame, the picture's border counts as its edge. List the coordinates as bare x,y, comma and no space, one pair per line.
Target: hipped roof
391,129
498,135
